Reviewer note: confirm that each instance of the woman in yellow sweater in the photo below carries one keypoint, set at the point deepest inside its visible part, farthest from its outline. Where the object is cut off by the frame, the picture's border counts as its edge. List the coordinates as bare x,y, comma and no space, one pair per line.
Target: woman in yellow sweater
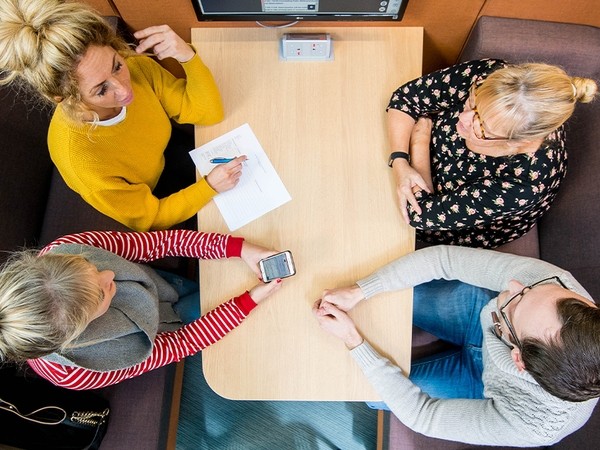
112,122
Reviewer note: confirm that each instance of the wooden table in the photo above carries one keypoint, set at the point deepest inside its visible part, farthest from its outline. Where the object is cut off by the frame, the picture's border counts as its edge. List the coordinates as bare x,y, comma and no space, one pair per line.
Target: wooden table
322,124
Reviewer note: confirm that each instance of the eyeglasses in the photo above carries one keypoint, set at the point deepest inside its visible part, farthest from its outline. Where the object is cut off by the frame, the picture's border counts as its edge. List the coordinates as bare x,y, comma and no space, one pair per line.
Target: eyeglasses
497,325
473,107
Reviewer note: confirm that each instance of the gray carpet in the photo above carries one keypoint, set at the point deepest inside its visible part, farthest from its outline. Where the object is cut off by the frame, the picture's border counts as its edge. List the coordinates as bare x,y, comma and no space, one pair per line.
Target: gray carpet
210,422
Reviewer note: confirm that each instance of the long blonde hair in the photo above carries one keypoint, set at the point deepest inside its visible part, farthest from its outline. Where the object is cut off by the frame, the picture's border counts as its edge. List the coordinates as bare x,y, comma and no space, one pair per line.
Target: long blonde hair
42,43
534,98
45,302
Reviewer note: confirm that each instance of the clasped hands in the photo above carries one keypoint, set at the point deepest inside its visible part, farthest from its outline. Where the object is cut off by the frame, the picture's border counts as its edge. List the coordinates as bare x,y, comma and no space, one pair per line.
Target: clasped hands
331,313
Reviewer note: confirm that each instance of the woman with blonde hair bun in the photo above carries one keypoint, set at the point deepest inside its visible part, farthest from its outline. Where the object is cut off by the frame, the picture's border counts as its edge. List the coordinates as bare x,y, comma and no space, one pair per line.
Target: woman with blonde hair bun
110,134
478,149
534,98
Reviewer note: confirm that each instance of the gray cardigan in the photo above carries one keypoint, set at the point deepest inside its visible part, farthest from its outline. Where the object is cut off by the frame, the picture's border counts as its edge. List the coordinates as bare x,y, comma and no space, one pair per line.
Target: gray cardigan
516,411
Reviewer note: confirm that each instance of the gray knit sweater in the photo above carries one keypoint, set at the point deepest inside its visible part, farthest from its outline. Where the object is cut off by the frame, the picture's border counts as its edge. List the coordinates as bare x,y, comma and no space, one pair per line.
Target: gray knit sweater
516,411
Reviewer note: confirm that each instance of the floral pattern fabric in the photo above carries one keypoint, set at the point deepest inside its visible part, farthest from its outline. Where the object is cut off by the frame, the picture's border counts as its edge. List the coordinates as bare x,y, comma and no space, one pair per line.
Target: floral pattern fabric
478,200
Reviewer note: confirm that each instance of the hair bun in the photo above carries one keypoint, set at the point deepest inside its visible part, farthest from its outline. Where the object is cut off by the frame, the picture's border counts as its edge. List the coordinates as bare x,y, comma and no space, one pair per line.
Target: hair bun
585,89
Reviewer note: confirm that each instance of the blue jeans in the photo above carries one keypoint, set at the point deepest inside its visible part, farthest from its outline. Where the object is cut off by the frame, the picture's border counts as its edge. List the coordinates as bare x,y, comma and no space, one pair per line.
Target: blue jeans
449,310
188,305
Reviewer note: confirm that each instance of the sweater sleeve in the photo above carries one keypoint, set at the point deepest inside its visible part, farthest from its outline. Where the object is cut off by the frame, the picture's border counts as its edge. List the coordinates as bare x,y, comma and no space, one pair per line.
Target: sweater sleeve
135,206
168,347
474,421
484,268
194,99
150,246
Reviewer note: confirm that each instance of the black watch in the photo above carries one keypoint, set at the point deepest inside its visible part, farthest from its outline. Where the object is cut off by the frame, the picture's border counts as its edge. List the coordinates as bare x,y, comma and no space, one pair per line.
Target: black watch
396,155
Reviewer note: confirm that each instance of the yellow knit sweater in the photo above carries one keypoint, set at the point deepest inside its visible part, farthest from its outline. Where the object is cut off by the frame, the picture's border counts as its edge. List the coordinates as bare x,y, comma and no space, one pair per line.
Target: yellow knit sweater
115,168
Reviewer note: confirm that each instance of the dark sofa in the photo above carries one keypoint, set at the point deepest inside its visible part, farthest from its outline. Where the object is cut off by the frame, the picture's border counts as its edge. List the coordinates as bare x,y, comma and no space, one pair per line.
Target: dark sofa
37,208
566,235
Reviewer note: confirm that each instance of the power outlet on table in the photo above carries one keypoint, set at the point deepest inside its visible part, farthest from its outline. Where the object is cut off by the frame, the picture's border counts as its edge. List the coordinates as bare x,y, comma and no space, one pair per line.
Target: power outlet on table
306,47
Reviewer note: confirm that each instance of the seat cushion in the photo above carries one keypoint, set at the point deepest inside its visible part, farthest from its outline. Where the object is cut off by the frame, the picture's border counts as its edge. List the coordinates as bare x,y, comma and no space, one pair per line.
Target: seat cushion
25,171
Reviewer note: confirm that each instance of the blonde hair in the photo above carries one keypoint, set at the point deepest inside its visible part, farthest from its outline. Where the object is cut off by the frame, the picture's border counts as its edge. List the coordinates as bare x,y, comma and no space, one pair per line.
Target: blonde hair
42,43
535,99
45,303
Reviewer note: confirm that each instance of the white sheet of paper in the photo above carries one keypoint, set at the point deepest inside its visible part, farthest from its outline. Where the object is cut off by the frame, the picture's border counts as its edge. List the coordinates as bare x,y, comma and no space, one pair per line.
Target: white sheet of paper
260,189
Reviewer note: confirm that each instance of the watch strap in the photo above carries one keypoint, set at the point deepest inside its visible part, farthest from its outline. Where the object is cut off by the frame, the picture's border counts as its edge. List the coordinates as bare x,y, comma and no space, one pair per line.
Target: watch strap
396,155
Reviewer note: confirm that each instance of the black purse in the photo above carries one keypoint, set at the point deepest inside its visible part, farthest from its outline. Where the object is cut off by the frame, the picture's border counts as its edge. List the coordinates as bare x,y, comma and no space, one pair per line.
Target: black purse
35,414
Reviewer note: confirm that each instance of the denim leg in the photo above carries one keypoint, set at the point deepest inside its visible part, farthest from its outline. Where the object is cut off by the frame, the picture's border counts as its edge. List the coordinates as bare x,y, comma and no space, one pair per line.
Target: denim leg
449,310
454,373
188,305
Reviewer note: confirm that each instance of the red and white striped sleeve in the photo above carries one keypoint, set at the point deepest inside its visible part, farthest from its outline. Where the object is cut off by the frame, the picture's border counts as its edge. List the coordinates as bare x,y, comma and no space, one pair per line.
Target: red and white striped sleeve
168,347
153,245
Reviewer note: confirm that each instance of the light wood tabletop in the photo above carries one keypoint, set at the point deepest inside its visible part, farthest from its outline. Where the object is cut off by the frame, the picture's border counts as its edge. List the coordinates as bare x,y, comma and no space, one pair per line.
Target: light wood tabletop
322,124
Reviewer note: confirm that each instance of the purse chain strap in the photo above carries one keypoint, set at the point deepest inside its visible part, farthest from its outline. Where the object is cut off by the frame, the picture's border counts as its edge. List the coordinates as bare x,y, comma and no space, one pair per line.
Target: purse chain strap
7,406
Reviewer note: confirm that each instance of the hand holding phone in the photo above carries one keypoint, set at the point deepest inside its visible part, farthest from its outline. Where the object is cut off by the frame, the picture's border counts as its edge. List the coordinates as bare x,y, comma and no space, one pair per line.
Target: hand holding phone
279,265
262,291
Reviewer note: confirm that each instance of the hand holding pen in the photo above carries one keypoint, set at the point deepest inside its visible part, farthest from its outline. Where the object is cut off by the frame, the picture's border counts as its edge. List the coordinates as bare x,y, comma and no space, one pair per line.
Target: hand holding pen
221,160
226,175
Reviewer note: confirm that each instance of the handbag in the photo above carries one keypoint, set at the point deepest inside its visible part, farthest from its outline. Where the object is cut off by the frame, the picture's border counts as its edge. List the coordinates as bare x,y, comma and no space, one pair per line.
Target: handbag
35,414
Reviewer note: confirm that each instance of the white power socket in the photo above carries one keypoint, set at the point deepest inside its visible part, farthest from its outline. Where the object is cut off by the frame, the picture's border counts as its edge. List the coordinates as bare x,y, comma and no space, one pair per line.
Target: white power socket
306,47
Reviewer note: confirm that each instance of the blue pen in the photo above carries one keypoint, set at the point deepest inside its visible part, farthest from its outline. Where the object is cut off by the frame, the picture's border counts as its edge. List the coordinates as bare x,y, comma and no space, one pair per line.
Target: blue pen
221,160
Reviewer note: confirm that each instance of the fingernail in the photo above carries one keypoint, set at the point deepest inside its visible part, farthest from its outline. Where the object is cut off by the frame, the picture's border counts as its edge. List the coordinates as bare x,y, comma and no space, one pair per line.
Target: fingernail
279,280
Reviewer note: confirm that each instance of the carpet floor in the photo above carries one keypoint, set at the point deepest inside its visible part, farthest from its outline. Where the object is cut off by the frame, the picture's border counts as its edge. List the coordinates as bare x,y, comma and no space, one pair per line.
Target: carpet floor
210,422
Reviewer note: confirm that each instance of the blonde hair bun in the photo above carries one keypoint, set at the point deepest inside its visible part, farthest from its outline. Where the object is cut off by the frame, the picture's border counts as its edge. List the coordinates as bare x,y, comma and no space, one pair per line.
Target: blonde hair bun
42,42
585,89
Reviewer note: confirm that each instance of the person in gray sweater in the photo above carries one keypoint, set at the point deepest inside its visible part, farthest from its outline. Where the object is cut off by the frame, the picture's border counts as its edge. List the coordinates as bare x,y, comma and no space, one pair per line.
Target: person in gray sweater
526,367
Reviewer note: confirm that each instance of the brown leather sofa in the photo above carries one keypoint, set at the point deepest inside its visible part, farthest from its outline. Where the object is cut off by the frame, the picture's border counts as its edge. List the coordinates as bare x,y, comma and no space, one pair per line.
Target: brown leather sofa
566,235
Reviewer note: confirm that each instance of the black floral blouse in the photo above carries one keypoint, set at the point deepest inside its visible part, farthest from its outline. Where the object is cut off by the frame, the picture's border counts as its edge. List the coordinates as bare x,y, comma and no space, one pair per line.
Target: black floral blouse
478,200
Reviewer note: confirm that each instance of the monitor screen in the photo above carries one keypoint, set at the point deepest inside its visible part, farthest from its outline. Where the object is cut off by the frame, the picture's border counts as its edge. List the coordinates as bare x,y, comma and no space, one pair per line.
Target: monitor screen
292,10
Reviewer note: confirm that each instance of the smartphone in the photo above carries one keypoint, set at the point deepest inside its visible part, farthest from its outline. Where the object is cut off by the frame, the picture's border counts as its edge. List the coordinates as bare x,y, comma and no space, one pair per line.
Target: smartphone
279,265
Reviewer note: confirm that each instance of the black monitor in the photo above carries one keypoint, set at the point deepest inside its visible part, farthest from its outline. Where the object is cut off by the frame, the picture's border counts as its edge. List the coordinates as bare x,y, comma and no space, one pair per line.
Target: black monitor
299,10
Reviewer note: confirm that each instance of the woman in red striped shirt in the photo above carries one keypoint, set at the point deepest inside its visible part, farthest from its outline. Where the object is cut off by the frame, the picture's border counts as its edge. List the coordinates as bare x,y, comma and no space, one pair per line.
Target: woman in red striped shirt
85,314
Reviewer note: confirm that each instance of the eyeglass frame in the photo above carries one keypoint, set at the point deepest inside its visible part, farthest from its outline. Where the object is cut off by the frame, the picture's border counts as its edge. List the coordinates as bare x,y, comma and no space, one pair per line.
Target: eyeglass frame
496,324
473,107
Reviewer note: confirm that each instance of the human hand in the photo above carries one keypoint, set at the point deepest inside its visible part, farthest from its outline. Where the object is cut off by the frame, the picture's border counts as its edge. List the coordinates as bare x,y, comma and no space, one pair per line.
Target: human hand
263,290
344,298
407,179
421,133
338,323
164,42
252,254
226,176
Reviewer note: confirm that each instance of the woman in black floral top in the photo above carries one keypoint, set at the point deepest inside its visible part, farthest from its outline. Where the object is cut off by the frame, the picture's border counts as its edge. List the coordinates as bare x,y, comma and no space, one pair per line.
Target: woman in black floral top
487,152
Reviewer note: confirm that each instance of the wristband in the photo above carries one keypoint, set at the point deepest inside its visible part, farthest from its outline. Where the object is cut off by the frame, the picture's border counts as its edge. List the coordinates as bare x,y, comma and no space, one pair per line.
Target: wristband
396,155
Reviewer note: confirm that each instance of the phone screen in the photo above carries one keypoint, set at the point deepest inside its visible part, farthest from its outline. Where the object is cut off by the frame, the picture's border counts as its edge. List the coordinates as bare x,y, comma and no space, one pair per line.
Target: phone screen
280,265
